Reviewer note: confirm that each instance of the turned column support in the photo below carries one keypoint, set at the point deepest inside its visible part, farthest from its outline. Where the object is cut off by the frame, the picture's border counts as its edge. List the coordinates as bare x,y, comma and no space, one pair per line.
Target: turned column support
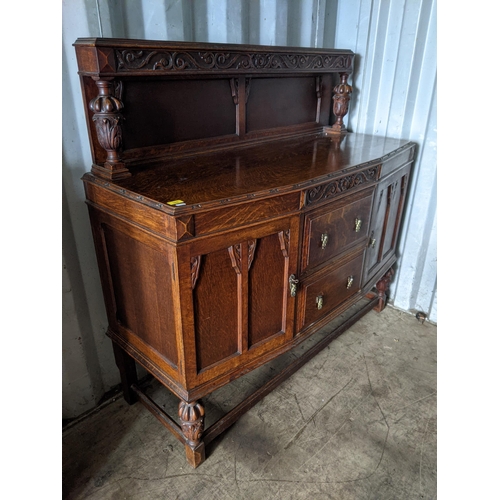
341,97
192,417
107,119
382,286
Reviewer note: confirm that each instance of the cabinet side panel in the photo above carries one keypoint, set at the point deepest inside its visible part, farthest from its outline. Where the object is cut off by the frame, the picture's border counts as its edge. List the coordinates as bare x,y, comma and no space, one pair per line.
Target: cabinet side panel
141,280
215,298
266,299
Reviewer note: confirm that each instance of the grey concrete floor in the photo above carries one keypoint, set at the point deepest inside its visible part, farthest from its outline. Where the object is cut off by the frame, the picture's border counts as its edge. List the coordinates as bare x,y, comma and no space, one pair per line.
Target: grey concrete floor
356,422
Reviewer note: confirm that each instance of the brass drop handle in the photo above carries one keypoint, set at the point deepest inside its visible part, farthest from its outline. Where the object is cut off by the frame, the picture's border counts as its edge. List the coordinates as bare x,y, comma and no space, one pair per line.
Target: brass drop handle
293,281
319,301
357,224
324,241
350,281
372,242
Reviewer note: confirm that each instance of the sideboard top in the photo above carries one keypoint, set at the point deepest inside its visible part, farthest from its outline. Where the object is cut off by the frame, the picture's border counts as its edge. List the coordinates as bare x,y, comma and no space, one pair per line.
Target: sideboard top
257,171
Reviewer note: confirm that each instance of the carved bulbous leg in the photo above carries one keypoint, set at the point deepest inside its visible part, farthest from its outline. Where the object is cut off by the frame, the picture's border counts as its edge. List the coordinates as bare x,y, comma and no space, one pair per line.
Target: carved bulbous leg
382,287
192,417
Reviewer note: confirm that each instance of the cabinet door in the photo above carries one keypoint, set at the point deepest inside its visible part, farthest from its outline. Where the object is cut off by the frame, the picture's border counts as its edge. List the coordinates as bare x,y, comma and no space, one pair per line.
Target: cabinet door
241,305
387,211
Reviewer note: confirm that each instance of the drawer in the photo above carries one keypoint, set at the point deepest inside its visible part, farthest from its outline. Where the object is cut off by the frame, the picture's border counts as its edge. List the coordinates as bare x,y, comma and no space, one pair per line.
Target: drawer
335,228
221,219
320,296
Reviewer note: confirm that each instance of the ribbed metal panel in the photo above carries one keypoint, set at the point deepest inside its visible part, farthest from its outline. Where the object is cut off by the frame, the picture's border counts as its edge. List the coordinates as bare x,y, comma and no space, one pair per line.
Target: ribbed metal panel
394,95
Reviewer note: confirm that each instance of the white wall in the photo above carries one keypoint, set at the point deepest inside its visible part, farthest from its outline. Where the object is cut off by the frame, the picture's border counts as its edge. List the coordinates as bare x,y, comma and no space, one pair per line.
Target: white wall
395,94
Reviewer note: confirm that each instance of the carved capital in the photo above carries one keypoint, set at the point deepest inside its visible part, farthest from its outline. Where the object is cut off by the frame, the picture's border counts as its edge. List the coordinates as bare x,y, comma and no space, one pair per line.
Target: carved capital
195,270
235,254
284,237
192,417
252,245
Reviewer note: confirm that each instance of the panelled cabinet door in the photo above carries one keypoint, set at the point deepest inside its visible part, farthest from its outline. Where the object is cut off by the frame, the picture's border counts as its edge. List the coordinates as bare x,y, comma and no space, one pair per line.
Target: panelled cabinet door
241,302
388,205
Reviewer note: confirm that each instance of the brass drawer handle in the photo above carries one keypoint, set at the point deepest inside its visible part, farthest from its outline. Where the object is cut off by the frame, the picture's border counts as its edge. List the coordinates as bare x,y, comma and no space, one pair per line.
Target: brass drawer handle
357,224
319,302
350,281
293,281
324,241
372,242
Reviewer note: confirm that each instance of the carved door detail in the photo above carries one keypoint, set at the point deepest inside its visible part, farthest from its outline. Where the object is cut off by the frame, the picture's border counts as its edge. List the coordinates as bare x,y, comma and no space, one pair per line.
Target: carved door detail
387,211
240,297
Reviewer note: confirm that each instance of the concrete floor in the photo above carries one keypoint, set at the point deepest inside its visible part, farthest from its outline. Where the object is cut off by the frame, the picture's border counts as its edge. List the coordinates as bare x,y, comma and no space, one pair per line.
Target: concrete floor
357,422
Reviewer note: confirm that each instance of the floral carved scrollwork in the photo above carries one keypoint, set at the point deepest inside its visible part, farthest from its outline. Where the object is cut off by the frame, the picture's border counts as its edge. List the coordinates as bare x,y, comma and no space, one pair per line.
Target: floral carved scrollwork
326,191
192,417
161,60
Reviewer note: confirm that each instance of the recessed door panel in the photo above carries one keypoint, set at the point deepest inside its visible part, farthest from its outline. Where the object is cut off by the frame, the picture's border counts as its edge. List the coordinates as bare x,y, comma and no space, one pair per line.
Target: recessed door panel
266,298
215,299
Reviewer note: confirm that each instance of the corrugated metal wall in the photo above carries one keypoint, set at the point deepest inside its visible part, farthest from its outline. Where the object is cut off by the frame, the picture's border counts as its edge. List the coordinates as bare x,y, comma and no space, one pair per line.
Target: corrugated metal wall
394,94
395,79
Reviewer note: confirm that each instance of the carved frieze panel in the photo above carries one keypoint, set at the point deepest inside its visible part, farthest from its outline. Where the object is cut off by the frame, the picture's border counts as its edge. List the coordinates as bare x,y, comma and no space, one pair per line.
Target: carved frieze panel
196,60
341,185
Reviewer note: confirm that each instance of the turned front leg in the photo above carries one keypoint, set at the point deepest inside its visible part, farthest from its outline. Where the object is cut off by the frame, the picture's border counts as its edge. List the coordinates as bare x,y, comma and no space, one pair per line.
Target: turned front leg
192,417
382,287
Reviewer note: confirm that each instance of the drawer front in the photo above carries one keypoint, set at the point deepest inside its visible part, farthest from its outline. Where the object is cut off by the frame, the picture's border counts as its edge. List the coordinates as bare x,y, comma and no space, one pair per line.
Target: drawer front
329,233
247,213
321,296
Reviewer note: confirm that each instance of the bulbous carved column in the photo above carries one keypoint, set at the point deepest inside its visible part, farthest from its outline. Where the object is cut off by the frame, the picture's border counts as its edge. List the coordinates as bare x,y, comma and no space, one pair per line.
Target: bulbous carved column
192,417
341,97
107,118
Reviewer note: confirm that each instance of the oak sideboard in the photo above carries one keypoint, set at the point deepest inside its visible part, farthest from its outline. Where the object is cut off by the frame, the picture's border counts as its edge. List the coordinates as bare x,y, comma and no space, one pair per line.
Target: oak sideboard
233,215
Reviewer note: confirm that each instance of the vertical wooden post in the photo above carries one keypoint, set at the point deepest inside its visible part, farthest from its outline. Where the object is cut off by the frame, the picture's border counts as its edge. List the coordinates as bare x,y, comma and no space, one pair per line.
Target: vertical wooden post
128,373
